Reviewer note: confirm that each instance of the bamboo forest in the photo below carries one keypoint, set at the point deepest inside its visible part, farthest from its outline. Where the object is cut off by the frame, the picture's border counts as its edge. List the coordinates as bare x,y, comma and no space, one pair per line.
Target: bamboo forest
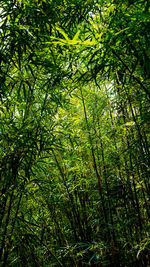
75,133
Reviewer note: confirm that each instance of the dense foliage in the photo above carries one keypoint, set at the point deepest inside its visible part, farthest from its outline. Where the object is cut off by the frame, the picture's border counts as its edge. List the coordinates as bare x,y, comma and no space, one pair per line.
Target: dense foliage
74,133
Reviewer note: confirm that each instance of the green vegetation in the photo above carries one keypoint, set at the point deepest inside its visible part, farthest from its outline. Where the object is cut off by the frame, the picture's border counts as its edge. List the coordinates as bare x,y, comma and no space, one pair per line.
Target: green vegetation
74,133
